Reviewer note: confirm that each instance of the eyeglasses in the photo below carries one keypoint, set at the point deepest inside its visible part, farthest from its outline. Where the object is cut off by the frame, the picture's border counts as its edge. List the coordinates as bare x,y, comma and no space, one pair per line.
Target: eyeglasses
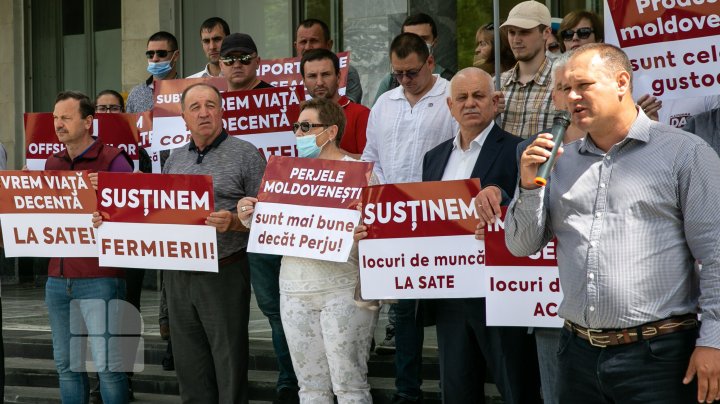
161,53
230,60
306,126
582,33
108,108
410,74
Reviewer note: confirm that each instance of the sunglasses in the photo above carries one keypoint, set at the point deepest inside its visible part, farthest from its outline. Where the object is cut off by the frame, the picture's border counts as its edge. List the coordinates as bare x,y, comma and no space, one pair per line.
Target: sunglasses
554,47
230,60
161,53
582,33
410,74
108,108
306,126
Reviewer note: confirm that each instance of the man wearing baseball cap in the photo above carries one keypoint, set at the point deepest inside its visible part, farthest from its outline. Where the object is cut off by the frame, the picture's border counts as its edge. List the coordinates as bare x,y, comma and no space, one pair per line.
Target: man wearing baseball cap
527,88
529,110
239,61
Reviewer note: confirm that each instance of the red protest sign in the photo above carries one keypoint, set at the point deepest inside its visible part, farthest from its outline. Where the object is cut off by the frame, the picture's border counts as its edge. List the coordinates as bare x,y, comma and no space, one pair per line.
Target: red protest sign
156,221
421,241
286,71
47,213
314,182
41,142
46,192
441,208
167,93
520,291
645,22
306,207
152,198
266,110
264,117
499,255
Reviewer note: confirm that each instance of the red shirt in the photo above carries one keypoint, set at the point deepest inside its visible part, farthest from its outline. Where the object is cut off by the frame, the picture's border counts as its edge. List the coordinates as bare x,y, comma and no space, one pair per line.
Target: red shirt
356,116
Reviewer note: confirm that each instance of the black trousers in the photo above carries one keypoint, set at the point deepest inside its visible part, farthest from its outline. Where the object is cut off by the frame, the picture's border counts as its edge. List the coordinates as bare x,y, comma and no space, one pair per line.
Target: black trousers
648,371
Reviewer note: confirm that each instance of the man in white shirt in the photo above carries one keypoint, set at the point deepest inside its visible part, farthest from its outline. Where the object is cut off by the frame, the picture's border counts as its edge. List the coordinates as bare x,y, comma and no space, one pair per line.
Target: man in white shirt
466,344
212,32
404,124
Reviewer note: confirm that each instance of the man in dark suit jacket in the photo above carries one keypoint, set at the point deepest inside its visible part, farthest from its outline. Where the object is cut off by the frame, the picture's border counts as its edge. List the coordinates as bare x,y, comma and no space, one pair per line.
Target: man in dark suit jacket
480,150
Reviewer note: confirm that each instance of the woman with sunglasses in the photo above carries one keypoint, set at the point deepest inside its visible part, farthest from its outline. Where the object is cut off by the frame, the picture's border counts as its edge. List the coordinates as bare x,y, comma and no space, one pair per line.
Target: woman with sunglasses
328,333
485,51
580,27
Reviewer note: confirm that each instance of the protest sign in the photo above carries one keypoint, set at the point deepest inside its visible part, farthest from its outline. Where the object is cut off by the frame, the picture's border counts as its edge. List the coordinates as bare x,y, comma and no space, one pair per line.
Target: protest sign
47,214
169,130
156,221
306,208
264,118
421,241
286,72
520,291
673,45
41,142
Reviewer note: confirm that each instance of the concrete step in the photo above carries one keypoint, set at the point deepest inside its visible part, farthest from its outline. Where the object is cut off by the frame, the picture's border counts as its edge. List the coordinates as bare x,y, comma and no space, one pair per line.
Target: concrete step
38,345
28,374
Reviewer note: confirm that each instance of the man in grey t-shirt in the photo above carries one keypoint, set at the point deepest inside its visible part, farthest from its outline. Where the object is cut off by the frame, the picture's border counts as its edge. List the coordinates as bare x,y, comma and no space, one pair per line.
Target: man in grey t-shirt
210,311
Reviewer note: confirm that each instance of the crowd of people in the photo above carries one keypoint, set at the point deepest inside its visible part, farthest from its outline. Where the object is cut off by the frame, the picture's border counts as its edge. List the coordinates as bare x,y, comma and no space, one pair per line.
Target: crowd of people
631,202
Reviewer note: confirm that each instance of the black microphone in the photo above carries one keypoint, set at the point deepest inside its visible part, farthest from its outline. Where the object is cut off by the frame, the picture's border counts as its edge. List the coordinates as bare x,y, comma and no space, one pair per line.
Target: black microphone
560,125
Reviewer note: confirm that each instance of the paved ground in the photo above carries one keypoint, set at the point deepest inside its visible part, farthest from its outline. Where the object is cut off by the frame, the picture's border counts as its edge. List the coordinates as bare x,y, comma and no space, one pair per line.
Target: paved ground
23,308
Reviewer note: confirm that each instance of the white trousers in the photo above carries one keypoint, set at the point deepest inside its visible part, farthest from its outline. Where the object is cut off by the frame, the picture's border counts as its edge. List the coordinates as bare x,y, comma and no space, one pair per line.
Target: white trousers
329,340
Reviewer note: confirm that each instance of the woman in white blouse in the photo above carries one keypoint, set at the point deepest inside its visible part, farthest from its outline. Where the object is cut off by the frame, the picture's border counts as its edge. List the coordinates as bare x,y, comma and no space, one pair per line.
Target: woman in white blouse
328,333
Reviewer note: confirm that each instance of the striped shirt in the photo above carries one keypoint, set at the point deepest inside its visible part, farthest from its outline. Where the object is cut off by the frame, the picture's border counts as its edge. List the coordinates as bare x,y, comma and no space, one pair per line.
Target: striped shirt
630,224
528,107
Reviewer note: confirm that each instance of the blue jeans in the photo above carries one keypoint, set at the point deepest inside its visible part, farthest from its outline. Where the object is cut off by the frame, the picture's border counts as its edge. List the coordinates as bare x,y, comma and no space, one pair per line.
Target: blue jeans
409,336
265,280
547,340
646,371
81,310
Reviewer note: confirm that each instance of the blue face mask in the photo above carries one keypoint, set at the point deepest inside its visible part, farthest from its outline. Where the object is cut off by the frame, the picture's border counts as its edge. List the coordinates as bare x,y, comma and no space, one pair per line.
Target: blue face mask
159,69
307,146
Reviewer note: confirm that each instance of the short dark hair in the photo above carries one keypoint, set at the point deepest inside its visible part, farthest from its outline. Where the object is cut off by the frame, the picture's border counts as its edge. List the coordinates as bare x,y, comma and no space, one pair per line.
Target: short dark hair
319,54
212,22
114,94
310,22
419,19
87,107
329,113
165,36
187,90
614,59
406,43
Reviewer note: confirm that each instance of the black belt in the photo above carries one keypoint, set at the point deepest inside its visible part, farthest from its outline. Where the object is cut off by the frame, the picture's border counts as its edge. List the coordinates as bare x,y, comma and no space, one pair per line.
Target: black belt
232,258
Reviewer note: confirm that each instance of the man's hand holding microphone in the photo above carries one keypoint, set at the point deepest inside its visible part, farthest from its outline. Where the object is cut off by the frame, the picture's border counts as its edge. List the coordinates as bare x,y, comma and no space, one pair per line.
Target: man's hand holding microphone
538,159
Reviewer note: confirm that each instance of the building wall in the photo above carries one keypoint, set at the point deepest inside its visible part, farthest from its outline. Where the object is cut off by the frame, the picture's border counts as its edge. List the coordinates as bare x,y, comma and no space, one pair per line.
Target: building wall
12,83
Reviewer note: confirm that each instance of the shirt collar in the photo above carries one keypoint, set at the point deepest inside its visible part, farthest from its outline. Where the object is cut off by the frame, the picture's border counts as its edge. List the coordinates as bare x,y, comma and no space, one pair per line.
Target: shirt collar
214,145
639,130
398,93
344,101
541,77
479,139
